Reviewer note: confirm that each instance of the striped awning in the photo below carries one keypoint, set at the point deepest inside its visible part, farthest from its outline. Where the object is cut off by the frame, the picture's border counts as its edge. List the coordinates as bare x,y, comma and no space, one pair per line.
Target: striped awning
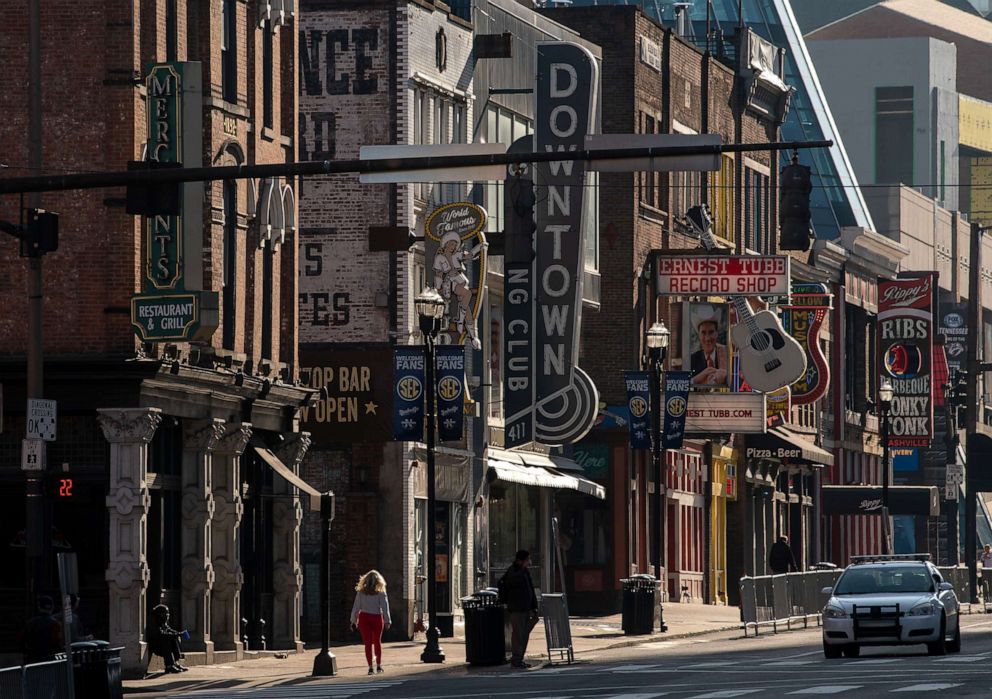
538,470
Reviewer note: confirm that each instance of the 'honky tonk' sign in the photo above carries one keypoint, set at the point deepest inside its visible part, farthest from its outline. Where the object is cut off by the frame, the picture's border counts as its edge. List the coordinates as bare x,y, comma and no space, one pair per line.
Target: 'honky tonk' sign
552,400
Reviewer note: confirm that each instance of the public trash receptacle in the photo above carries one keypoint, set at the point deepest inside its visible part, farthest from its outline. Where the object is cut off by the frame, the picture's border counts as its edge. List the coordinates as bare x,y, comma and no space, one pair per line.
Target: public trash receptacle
484,640
96,670
639,603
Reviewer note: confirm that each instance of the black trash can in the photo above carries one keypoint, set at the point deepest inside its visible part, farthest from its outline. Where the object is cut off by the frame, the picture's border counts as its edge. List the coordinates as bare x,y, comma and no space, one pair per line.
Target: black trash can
484,640
96,670
639,603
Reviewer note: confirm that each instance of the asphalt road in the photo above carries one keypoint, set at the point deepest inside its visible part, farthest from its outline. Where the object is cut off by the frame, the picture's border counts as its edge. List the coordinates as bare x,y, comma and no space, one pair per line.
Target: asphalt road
715,666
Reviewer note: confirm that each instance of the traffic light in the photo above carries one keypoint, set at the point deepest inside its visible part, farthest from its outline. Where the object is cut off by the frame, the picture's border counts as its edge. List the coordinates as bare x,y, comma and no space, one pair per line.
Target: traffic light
794,215
41,234
519,225
957,396
153,199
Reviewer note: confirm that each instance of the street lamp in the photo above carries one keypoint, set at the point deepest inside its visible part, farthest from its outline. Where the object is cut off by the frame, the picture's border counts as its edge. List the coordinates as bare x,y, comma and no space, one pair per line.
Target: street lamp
656,339
430,309
885,393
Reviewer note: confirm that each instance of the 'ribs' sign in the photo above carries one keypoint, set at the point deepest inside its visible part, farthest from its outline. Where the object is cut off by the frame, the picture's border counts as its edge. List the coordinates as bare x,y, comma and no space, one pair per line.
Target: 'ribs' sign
905,352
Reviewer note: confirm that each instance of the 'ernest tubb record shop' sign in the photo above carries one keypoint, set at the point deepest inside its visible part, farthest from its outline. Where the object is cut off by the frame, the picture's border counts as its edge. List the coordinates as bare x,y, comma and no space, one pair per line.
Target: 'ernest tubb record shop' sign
905,352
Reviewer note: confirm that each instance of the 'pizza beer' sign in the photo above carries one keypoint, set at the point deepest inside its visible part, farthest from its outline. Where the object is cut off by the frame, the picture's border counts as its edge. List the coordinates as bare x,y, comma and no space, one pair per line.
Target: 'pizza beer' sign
905,352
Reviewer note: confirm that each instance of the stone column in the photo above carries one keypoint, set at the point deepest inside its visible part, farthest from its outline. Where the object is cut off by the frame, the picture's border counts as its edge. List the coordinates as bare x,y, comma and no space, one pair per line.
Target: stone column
287,575
129,430
199,438
225,597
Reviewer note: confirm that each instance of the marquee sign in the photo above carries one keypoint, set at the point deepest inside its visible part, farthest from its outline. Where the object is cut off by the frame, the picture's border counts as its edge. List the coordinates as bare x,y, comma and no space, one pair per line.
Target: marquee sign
905,352
743,413
548,398
803,319
738,275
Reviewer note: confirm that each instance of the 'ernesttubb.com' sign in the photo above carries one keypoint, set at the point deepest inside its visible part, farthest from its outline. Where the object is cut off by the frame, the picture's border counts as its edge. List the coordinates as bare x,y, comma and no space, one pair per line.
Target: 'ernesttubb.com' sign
743,413
701,275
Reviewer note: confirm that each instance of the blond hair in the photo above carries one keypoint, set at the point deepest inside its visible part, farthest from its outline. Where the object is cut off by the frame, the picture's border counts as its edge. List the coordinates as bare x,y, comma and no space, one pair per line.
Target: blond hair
371,583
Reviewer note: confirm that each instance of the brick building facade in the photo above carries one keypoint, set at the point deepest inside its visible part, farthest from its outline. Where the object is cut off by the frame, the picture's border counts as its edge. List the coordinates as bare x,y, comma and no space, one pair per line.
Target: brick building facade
165,443
376,73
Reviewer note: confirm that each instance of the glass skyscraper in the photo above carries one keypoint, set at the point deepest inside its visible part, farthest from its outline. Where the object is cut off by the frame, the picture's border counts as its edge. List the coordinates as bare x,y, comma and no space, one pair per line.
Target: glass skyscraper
836,200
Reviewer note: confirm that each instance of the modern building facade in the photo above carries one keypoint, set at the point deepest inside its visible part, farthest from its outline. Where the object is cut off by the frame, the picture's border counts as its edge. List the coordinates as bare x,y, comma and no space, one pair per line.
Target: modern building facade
168,446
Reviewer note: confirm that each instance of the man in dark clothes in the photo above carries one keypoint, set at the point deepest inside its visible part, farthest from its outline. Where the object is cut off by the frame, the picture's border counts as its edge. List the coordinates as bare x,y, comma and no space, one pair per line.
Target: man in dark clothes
516,591
42,637
780,558
164,640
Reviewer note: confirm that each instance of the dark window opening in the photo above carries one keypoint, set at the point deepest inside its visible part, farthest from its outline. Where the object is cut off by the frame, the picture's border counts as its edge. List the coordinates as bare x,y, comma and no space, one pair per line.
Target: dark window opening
171,31
230,259
267,256
267,74
894,135
229,51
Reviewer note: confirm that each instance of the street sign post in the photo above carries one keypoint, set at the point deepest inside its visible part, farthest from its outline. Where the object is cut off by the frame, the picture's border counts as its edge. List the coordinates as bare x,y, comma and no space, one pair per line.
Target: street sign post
32,455
41,419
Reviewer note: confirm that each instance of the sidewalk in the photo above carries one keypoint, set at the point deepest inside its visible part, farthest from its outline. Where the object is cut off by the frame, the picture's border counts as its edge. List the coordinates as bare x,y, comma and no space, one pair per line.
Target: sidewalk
589,635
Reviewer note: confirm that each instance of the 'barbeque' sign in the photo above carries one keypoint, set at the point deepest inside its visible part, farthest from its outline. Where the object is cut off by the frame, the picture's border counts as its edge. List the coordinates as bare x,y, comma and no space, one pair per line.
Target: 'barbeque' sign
905,351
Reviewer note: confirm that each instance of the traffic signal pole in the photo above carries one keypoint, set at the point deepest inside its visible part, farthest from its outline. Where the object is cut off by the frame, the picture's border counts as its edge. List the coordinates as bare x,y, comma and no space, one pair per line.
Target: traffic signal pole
972,409
164,176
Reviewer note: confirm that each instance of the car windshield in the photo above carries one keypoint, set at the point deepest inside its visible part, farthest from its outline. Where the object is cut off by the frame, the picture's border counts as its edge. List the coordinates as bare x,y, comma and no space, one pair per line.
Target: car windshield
884,579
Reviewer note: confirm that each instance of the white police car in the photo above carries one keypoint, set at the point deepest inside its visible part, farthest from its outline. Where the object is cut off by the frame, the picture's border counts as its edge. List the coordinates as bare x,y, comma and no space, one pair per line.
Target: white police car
887,601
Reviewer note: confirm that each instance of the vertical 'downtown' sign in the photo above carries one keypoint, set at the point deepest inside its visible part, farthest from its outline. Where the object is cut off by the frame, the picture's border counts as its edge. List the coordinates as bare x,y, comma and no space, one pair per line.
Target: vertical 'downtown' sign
563,401
905,354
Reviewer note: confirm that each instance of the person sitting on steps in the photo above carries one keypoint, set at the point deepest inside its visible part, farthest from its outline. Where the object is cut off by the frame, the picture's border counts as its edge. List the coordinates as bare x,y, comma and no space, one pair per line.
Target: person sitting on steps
164,640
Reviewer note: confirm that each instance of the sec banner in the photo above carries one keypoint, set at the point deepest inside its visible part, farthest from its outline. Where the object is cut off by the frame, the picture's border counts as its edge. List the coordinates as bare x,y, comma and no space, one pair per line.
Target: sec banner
450,392
676,407
638,403
408,393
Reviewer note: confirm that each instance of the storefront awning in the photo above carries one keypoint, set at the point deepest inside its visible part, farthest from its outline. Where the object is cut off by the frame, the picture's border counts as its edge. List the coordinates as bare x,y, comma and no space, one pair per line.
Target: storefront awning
283,470
921,500
528,468
784,444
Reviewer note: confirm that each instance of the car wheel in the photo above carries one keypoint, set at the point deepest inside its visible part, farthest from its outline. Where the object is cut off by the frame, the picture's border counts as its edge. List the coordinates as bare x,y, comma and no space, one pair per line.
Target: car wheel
852,651
954,645
939,647
831,652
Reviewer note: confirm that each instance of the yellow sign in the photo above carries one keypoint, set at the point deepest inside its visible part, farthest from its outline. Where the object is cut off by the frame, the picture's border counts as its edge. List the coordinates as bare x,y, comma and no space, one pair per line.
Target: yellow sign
975,123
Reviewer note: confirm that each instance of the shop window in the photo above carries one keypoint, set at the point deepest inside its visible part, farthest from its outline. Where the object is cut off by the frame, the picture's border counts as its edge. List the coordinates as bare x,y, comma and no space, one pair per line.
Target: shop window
514,524
583,529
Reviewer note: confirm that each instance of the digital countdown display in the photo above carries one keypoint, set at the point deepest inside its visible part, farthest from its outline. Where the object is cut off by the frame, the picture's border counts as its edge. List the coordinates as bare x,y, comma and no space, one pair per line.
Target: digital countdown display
61,487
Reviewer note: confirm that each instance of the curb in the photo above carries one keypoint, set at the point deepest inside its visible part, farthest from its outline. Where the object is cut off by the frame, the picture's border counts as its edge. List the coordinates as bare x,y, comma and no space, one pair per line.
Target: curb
461,666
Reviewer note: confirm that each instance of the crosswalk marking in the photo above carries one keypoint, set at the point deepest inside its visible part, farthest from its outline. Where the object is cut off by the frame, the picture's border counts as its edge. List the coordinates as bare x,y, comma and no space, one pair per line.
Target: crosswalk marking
323,690
726,693
788,663
962,659
650,695
880,661
932,687
828,689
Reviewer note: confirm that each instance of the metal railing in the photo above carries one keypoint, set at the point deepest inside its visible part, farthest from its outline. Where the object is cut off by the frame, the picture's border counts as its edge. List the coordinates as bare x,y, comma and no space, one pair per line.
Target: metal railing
48,680
793,600
787,600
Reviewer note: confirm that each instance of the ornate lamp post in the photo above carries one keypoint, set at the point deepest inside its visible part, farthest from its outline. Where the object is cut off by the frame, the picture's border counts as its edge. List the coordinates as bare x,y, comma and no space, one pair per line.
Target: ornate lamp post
656,339
430,309
885,393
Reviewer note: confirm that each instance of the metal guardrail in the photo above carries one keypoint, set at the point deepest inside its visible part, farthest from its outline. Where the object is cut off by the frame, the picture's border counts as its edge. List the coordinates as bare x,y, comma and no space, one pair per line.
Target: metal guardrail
48,680
795,599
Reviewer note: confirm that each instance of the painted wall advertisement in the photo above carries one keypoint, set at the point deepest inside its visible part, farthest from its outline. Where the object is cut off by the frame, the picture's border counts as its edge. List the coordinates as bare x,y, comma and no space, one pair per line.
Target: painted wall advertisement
905,351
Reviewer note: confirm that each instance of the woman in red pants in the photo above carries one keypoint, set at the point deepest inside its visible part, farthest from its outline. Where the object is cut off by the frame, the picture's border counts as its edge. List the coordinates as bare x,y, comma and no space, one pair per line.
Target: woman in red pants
370,614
